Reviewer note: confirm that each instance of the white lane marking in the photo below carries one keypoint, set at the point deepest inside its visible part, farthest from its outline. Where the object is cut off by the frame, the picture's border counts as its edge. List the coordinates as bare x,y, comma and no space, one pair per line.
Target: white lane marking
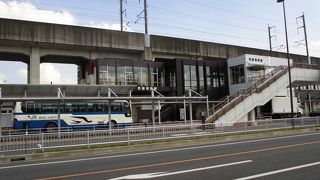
162,174
180,135
279,171
140,176
156,152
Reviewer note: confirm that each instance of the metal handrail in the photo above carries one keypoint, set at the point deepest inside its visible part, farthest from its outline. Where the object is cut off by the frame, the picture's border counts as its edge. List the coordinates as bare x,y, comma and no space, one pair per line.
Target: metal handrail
233,100
243,94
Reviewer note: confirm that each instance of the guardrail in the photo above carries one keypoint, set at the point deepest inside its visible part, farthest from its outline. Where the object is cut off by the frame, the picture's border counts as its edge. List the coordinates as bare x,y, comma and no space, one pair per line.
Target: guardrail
25,144
10,131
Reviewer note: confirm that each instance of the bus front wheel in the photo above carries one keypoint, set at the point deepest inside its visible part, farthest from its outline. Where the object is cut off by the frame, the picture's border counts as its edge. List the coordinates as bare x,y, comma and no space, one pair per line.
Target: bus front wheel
113,123
51,127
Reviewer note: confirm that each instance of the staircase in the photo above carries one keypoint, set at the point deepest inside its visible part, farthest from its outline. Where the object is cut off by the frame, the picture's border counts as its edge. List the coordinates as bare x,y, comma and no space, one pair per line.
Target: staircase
165,113
235,108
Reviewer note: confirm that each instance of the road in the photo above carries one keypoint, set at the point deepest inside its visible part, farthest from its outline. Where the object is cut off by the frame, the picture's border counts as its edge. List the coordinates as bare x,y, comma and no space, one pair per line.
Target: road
294,157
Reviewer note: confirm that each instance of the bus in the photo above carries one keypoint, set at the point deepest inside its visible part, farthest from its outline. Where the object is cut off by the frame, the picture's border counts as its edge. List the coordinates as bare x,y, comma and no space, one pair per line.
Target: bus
74,115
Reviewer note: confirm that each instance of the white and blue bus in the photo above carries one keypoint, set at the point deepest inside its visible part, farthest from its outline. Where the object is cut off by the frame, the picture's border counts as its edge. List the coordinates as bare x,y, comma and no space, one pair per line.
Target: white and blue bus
75,115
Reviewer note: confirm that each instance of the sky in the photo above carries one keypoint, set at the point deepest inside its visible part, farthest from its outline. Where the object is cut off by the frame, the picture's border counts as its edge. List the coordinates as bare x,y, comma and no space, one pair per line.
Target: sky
237,22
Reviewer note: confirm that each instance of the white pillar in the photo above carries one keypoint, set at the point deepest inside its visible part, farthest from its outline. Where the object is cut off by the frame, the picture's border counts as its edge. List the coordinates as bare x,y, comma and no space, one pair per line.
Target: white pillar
259,111
152,111
190,108
159,111
34,66
251,117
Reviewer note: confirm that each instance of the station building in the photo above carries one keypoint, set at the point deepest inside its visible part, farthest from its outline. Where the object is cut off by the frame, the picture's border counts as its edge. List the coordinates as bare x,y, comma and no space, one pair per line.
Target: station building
169,65
170,77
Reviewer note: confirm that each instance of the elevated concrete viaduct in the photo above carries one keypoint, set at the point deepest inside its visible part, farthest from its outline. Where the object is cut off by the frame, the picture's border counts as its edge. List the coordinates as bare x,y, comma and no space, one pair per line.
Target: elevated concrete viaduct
35,42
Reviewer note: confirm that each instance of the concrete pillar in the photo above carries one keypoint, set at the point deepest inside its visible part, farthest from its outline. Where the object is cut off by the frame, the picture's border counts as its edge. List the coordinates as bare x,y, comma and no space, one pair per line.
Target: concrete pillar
252,117
310,109
259,111
147,54
90,79
147,48
34,66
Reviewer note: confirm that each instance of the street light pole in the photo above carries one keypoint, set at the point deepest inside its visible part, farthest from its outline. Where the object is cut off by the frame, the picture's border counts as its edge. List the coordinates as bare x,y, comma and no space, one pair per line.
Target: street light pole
289,68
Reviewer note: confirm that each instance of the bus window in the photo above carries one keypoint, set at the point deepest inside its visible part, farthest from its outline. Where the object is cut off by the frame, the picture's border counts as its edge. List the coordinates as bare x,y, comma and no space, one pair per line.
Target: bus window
37,108
68,107
116,107
30,107
100,107
82,107
90,107
74,107
49,108
127,111
23,107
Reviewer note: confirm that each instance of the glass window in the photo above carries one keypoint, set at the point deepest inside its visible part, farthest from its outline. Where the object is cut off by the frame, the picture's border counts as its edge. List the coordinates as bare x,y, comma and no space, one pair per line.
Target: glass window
116,107
103,74
222,79
187,79
157,77
190,77
144,76
111,75
129,76
154,77
237,74
208,76
30,107
215,78
201,78
124,75
137,75
141,76
121,75
107,75
49,107
172,78
212,77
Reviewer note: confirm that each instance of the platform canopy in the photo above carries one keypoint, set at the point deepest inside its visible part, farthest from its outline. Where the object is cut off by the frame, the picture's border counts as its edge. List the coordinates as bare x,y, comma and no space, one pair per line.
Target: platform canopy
52,90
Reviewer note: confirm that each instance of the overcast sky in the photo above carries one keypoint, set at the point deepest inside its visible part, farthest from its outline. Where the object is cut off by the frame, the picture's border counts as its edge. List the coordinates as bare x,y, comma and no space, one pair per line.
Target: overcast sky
238,22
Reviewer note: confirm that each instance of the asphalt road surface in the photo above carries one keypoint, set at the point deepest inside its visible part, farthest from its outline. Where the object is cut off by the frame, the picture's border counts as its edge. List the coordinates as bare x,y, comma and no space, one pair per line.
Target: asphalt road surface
294,157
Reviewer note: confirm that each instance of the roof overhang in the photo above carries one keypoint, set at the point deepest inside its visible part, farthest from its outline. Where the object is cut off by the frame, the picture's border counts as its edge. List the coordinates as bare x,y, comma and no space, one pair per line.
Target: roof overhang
52,90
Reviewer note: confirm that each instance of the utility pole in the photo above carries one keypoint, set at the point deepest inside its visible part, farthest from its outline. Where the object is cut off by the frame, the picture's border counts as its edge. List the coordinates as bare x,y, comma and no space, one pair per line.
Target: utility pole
145,17
121,15
307,50
305,36
139,17
147,49
270,36
288,58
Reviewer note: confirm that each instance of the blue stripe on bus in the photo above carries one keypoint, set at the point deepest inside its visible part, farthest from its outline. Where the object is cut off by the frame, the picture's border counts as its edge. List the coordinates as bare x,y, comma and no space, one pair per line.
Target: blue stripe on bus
90,113
34,124
73,113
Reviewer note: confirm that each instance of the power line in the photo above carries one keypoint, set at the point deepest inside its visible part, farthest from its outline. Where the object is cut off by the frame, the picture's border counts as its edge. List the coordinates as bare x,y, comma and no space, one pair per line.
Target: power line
206,32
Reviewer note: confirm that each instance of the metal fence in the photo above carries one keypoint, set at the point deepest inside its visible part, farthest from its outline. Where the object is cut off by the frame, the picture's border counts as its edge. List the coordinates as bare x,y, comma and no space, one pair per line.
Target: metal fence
28,143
